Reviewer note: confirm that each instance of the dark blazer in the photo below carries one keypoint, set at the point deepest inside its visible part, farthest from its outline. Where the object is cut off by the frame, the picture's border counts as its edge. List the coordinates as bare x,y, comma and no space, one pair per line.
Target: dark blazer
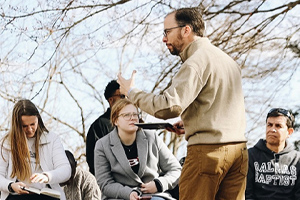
114,174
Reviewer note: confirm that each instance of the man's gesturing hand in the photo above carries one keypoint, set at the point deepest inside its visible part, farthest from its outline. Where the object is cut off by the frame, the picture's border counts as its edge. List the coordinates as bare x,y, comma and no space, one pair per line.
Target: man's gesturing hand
125,85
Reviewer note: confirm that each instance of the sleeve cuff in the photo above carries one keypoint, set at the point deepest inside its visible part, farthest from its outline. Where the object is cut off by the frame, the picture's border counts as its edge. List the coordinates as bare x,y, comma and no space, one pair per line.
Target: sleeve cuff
137,191
158,185
48,176
10,188
129,91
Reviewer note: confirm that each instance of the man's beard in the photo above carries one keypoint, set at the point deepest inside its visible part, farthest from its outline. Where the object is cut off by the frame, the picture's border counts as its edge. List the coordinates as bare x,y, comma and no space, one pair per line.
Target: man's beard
175,51
177,46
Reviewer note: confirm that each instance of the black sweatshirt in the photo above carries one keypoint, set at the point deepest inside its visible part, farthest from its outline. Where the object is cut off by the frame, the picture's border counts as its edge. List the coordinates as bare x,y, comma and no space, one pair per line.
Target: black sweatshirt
273,175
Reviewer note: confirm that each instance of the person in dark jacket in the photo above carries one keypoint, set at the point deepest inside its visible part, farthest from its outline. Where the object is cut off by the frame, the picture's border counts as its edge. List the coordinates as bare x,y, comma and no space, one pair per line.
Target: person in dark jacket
102,126
274,165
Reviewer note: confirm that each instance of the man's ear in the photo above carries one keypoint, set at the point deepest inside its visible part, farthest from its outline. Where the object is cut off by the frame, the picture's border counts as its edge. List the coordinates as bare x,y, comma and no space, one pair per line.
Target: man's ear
110,101
187,31
290,130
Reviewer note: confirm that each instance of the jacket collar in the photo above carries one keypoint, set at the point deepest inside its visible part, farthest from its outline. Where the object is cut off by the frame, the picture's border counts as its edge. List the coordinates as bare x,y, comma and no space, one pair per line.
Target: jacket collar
192,47
261,144
118,151
106,114
43,138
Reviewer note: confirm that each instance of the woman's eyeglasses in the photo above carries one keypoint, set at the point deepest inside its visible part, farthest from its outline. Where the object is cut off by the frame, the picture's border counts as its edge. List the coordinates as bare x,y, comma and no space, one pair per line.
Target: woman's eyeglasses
129,116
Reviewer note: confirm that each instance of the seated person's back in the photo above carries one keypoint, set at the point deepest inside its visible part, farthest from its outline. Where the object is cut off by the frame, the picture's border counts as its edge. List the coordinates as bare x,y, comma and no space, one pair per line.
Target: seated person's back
82,185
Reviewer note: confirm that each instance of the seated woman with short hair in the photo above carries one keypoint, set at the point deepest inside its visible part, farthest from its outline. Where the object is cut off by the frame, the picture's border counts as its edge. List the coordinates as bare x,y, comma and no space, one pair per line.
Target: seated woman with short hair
129,162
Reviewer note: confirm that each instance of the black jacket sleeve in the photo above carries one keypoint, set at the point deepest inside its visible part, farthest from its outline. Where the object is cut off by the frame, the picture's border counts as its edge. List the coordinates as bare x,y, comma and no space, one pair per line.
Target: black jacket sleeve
98,129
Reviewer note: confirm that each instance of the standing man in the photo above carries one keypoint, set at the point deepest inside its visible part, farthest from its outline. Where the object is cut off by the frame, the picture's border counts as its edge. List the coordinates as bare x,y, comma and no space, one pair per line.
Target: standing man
207,93
274,165
102,126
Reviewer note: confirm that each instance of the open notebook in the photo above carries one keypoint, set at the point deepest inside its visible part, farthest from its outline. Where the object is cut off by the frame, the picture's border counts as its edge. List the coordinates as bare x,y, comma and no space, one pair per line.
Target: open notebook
44,191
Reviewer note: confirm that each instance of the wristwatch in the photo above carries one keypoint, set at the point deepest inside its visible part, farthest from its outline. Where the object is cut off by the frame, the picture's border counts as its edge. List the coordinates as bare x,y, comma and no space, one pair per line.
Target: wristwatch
10,188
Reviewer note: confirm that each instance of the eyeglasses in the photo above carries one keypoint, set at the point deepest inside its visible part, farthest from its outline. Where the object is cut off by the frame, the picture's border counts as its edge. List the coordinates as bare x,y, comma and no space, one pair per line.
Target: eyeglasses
282,111
167,30
129,116
122,96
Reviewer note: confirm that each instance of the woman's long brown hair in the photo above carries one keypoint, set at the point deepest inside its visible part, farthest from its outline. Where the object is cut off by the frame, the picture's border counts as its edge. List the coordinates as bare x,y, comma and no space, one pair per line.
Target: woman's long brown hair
16,137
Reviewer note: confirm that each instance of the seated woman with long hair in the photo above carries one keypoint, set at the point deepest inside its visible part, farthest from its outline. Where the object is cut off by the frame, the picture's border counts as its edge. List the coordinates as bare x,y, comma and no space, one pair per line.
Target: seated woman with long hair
131,163
31,156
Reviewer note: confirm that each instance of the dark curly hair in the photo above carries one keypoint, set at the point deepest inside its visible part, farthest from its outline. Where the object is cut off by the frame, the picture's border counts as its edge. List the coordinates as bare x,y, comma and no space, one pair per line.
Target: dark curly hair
111,88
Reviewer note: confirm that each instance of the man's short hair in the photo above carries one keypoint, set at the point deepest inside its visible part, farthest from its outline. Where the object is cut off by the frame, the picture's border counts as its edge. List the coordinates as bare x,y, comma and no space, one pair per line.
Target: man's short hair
111,88
276,112
192,17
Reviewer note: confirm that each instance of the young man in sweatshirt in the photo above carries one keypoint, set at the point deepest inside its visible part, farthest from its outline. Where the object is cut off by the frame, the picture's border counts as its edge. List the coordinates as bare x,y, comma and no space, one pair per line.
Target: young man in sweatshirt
274,165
